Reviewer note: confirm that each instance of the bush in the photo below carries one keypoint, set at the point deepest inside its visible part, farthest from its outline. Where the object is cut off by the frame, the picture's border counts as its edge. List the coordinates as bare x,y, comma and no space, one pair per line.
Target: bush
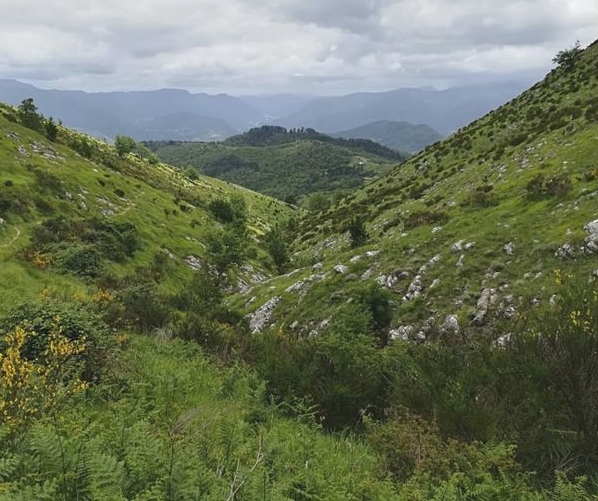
357,231
82,260
221,210
74,321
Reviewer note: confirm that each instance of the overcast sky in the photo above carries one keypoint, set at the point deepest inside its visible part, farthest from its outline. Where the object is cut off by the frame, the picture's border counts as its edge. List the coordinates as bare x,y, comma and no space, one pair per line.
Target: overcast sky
266,46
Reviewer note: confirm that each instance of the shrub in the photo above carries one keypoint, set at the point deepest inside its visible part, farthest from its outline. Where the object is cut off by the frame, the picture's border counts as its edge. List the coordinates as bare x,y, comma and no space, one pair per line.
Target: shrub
74,321
357,231
82,260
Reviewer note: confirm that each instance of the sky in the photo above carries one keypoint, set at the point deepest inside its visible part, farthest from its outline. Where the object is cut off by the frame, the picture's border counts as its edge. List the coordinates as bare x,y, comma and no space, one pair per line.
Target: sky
298,46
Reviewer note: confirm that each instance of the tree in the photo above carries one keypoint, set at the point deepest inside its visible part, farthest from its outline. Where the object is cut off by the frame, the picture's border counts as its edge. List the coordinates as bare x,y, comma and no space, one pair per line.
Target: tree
276,244
357,232
29,116
124,145
51,129
566,58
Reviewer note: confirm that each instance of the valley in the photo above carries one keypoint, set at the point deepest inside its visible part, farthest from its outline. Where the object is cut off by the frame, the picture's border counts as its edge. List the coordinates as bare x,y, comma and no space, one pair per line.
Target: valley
372,325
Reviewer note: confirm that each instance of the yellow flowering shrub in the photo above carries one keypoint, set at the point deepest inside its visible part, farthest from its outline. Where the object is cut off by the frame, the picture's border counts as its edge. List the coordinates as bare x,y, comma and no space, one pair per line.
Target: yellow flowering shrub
29,388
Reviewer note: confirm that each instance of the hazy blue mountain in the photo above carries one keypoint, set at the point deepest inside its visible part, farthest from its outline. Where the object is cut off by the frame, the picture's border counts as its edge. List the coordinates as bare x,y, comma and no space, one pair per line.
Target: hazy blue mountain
144,115
274,106
402,136
185,126
445,110
109,113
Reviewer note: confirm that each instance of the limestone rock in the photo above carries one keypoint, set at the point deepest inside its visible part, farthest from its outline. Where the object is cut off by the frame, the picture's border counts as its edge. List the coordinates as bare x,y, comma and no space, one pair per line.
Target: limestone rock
591,241
260,318
457,247
402,332
193,262
503,341
341,269
450,325
565,251
509,248
487,298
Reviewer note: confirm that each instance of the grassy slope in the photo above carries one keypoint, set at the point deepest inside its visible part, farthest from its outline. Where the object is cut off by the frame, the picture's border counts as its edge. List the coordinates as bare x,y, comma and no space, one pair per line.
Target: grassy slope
40,179
435,199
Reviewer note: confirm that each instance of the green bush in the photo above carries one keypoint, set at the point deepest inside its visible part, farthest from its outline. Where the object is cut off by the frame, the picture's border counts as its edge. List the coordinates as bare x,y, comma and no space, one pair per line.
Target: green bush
82,260
75,321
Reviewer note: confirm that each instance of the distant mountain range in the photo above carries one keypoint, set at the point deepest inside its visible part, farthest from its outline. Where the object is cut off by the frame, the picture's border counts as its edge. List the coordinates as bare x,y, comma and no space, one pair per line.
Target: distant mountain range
444,110
171,114
402,136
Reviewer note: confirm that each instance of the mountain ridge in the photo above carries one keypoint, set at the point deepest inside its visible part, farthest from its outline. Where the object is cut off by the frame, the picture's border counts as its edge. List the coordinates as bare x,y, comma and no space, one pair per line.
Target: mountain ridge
398,135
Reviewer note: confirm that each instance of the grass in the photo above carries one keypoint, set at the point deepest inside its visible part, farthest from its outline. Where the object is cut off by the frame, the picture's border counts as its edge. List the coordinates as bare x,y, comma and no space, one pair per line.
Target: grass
40,179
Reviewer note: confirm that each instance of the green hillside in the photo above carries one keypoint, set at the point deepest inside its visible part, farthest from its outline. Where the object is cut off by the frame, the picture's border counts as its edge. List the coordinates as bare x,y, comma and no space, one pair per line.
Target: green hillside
285,164
484,240
60,204
432,335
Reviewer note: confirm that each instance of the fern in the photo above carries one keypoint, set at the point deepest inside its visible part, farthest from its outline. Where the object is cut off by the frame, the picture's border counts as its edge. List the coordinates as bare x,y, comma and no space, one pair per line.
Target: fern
107,476
564,490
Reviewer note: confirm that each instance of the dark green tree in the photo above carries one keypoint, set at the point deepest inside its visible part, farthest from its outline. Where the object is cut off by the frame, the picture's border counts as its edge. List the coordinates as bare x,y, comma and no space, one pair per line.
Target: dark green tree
51,129
357,232
566,58
29,116
276,244
124,145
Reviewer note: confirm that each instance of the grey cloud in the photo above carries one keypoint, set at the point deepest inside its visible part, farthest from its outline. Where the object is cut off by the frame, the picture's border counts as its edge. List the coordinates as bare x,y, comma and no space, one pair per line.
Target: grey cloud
357,16
278,45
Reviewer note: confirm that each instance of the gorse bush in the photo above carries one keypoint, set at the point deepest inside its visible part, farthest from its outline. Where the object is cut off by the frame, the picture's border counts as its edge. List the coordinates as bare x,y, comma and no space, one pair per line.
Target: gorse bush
76,322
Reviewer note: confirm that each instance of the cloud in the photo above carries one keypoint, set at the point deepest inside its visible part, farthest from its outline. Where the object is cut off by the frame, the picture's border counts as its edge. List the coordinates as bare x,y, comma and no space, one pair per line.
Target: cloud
285,45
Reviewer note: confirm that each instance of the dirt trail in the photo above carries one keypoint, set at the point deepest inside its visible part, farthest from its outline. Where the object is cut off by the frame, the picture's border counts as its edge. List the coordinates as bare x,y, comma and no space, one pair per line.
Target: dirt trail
14,239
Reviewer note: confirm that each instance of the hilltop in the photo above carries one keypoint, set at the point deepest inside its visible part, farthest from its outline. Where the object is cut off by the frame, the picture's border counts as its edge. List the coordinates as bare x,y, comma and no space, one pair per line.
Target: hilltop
287,164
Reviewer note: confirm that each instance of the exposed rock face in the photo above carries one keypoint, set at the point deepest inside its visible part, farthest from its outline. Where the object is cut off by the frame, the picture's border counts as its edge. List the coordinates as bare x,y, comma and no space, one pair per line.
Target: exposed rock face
340,269
193,262
260,318
487,298
255,277
503,341
457,247
416,287
402,332
450,325
591,241
389,281
297,286
565,251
